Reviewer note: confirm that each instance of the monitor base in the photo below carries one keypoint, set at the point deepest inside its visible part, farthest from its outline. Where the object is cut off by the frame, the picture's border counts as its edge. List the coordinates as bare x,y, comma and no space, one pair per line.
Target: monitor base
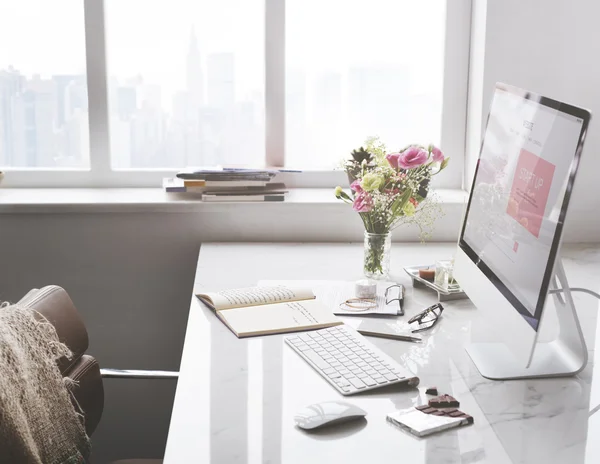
566,355
496,361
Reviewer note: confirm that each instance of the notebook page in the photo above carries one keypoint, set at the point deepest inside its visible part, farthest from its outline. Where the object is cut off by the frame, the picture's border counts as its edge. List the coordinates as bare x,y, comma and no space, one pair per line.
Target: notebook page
278,318
253,296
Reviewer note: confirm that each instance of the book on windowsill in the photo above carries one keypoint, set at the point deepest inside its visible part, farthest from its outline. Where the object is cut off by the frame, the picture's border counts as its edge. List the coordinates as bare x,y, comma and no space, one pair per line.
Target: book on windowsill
224,197
200,186
269,310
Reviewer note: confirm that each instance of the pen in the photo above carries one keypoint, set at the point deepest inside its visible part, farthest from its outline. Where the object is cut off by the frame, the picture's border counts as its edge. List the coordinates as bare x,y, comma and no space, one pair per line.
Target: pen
404,338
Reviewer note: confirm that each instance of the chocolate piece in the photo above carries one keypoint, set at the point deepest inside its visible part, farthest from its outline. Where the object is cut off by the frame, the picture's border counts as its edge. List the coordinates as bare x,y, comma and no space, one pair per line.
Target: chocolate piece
456,413
429,410
432,391
438,413
444,401
451,410
423,406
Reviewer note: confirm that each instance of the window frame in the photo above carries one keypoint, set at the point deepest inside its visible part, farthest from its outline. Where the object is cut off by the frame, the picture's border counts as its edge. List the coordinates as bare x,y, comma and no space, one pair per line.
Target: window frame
100,173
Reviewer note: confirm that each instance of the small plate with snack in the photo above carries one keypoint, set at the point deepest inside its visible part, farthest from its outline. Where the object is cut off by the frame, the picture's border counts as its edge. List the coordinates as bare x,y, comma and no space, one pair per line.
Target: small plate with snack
425,276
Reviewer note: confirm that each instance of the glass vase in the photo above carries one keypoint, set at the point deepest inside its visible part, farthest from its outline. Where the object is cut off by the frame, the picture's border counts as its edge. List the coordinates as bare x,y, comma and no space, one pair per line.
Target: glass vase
377,255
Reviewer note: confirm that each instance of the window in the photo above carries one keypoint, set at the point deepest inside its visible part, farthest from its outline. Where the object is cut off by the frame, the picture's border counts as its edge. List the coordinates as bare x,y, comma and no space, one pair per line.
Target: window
294,83
361,68
43,87
190,92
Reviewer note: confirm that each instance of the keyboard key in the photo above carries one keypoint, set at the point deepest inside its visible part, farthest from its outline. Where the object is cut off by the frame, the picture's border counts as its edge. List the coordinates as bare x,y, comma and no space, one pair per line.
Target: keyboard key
294,340
371,371
362,375
345,389
335,375
304,347
344,371
314,335
316,359
357,383
369,382
329,370
380,380
305,338
390,377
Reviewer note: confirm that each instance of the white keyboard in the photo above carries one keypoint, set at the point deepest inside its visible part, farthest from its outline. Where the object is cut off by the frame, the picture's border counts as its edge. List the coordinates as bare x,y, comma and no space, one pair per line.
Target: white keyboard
348,361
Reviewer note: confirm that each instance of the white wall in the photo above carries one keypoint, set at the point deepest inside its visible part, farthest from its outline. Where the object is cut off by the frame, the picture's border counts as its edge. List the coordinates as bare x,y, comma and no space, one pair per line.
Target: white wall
549,47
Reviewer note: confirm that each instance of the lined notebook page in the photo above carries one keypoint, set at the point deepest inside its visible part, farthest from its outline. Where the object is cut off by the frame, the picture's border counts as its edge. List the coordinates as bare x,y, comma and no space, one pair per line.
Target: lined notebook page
278,317
252,296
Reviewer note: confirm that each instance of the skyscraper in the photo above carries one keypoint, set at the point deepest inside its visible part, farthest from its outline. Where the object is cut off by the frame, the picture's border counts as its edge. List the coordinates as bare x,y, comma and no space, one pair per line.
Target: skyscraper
34,135
11,84
194,75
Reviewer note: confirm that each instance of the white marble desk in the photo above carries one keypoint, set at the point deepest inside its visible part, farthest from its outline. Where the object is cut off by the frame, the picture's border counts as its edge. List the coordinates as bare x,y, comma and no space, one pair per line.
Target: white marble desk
236,398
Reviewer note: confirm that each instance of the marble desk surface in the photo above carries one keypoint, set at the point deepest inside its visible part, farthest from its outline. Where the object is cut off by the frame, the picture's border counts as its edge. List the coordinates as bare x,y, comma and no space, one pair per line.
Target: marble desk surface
236,399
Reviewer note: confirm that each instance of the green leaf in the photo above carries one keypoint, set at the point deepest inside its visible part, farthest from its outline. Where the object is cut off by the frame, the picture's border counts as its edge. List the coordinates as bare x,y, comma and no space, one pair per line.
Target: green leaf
401,201
444,163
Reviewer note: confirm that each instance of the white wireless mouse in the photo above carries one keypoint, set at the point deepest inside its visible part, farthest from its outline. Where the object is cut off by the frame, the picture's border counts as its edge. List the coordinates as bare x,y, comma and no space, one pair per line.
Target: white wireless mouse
327,413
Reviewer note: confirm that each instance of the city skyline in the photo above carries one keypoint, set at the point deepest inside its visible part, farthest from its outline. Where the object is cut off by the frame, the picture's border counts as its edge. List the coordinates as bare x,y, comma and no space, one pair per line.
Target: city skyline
44,122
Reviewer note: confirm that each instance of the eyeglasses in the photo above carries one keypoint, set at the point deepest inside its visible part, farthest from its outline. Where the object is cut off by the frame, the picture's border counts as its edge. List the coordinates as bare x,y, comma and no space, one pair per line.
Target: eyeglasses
427,318
395,293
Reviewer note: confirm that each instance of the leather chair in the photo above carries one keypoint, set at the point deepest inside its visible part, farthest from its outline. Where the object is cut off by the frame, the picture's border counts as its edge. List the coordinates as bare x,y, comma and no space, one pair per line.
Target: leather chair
53,303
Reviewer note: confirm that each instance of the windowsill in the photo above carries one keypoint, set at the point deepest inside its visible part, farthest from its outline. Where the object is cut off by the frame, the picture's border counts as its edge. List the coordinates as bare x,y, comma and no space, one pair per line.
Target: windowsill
127,200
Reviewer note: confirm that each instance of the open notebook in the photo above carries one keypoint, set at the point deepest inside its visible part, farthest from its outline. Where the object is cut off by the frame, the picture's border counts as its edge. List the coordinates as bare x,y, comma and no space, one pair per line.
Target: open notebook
269,310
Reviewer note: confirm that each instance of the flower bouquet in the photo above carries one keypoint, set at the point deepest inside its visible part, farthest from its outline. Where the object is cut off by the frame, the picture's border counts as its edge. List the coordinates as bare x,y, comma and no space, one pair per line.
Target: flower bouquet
390,189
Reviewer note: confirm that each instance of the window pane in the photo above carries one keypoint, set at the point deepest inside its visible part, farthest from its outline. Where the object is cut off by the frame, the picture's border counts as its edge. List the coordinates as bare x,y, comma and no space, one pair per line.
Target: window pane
361,68
43,88
186,82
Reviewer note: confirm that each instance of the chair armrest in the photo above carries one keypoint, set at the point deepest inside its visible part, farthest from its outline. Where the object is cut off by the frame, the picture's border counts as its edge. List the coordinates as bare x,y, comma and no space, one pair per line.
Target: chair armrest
137,374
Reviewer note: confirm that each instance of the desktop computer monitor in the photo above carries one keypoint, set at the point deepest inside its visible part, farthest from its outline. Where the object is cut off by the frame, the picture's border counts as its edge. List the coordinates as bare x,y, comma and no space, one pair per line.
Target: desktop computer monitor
511,234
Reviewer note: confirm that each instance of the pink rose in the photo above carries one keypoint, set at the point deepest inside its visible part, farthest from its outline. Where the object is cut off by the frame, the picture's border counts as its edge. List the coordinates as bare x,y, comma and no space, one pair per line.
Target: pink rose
392,158
355,186
363,203
412,157
437,154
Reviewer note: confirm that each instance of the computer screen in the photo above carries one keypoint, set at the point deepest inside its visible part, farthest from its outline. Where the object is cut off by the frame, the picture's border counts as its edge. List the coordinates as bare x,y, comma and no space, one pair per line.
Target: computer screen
520,193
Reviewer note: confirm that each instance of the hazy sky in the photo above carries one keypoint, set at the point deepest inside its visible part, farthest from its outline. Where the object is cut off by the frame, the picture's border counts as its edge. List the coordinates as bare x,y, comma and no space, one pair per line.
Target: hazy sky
151,37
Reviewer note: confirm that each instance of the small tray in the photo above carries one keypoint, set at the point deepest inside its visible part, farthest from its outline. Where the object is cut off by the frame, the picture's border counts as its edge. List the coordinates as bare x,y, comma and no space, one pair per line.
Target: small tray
443,295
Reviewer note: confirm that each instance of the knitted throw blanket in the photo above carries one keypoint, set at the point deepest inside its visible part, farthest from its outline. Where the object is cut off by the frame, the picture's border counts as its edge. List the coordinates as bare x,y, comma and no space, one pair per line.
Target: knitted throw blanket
38,422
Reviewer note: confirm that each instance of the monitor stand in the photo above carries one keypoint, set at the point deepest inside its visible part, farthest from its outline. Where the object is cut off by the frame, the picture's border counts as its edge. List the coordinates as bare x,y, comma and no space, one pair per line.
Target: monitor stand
564,356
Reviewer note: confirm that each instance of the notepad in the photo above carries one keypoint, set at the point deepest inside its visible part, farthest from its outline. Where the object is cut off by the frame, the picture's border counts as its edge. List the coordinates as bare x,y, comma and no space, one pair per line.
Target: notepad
422,424
269,310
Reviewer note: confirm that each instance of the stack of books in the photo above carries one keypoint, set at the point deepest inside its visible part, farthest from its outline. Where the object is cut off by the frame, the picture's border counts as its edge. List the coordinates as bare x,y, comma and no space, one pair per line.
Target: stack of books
227,184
